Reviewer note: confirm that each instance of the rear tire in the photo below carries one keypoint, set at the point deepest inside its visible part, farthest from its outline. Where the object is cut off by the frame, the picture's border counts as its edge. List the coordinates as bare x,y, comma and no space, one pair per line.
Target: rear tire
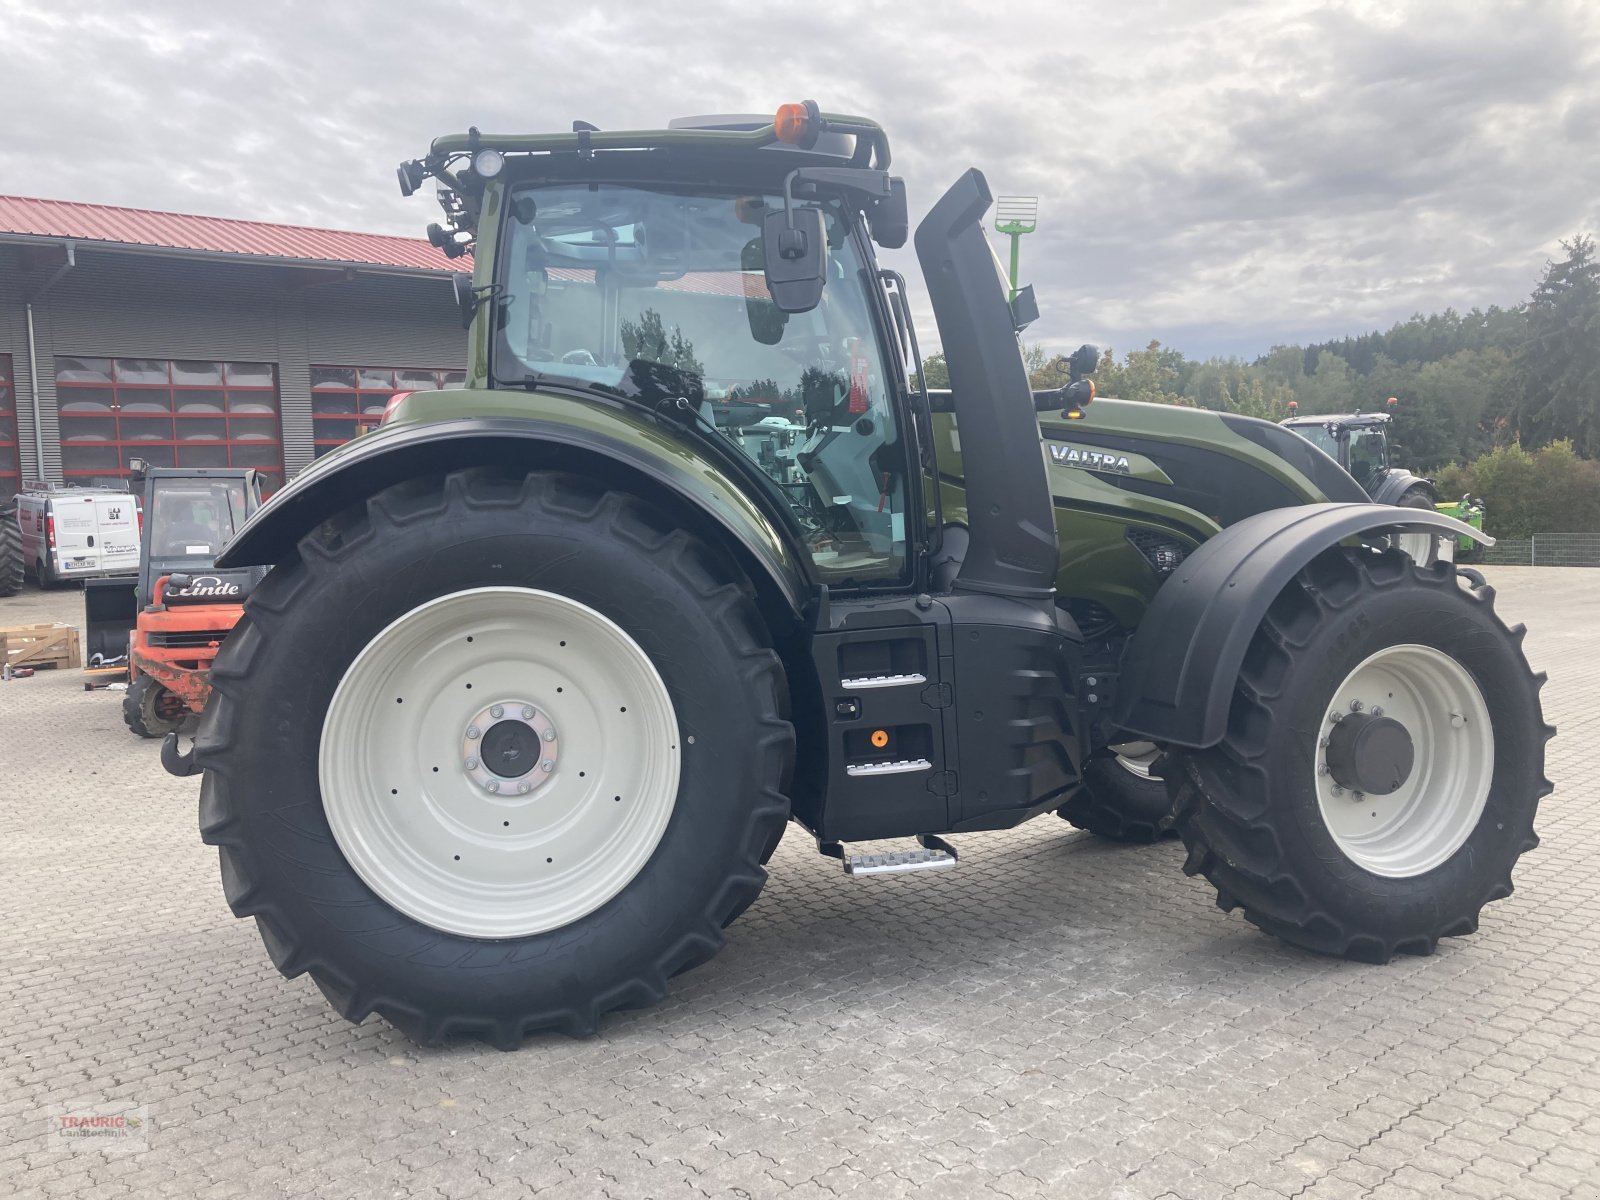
11,560
1260,817
374,940
1120,800
152,711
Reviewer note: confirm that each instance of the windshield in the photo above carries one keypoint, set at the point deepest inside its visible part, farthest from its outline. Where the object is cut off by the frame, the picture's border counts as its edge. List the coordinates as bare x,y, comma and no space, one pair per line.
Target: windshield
1319,437
190,519
630,290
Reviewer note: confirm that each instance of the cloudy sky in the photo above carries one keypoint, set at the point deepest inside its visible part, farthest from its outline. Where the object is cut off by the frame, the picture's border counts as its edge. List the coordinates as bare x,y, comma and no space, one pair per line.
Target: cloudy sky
1220,174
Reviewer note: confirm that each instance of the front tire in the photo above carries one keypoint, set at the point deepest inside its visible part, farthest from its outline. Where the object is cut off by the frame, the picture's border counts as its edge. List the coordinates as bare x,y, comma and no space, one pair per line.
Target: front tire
1120,799
1275,816
360,822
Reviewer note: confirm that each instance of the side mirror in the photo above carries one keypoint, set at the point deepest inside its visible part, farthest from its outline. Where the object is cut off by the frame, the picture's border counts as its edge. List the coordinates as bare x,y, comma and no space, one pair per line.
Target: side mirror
889,218
795,257
1024,308
466,299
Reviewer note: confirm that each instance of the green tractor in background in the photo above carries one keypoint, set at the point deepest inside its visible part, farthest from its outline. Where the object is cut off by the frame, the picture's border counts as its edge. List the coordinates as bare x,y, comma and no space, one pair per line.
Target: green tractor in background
1359,442
543,668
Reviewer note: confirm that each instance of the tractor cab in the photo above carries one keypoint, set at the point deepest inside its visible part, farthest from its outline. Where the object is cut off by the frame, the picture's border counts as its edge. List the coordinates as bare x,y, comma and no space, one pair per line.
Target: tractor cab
1358,442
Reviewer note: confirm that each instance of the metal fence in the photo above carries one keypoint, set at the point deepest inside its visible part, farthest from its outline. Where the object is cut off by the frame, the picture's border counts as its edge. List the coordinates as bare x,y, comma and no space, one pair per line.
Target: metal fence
1547,550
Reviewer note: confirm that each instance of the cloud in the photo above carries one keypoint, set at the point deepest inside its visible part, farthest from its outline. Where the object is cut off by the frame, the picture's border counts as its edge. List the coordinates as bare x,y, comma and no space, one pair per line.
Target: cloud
1223,176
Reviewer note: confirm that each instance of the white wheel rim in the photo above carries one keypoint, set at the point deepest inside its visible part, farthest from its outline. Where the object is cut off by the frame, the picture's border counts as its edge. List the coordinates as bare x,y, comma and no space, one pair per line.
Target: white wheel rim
470,851
1426,548
1427,819
1137,758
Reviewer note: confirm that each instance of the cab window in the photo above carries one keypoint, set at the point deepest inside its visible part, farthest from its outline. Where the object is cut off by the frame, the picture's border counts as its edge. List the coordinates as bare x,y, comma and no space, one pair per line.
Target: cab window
604,283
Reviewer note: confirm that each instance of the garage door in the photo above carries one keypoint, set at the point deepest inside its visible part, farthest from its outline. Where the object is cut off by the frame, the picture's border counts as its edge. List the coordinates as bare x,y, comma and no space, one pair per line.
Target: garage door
170,413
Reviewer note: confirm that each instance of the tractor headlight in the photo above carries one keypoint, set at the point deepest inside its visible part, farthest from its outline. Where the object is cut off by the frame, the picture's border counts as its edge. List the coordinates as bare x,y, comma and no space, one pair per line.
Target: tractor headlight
1164,554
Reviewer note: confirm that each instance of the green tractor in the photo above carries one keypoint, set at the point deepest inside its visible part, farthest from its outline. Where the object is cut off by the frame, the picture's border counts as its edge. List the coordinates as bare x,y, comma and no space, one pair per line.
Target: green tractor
544,668
1359,442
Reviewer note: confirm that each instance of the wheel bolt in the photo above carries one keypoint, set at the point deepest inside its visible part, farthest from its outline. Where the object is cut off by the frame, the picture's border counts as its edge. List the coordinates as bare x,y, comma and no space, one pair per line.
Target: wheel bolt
1355,706
549,735
1322,768
497,711
1335,718
1457,721
1323,744
471,764
1337,790
492,786
527,712
547,766
524,788
1358,797
1377,710
473,731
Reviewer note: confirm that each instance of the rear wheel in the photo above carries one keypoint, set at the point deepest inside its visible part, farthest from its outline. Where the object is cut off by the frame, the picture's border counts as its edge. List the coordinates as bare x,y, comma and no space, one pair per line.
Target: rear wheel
536,759
152,711
1382,765
1121,800
11,560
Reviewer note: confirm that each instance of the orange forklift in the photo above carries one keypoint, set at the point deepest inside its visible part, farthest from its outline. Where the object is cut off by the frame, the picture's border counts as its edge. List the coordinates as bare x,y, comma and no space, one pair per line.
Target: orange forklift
172,619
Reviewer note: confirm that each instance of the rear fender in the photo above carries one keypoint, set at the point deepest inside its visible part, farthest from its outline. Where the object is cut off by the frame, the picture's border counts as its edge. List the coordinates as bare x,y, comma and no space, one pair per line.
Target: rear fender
632,455
1178,677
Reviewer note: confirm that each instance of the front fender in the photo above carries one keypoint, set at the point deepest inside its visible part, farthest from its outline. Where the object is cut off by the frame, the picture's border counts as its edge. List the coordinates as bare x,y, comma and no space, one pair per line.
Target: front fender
534,431
1178,676
1397,482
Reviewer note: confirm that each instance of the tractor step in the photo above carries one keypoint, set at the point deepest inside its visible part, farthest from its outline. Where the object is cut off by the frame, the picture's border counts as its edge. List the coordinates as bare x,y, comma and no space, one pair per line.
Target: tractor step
933,854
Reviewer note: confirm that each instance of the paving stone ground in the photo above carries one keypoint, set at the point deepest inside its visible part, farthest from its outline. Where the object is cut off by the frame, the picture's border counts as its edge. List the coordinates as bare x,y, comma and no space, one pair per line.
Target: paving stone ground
1056,1017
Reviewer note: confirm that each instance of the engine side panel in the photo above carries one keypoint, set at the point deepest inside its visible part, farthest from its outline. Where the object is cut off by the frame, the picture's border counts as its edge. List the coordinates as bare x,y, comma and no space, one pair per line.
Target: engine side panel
1137,487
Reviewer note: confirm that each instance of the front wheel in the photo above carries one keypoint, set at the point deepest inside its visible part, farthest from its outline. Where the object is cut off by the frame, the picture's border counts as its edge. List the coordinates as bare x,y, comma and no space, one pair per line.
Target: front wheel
495,754
1383,761
151,710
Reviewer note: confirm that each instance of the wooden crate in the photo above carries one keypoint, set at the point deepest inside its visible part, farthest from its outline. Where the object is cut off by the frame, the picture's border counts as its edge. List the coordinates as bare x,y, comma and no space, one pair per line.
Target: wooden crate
47,646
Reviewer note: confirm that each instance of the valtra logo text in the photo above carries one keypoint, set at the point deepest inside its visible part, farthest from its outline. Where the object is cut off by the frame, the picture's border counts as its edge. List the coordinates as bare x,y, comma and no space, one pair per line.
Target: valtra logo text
1090,460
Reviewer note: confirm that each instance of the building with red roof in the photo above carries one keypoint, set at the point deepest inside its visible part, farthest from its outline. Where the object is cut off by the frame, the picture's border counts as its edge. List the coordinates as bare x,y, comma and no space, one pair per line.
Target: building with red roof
188,340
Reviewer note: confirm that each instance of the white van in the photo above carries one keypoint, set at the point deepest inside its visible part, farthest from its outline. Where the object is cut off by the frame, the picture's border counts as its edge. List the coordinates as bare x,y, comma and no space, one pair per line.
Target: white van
75,533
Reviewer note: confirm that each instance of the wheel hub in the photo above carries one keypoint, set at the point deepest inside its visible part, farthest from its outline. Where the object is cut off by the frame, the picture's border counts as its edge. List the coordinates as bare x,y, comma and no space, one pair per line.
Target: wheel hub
1370,754
511,746
510,749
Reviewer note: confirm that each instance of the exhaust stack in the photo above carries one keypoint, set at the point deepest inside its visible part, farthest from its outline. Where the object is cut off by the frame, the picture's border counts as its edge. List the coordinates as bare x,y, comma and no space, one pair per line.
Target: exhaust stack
1011,516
